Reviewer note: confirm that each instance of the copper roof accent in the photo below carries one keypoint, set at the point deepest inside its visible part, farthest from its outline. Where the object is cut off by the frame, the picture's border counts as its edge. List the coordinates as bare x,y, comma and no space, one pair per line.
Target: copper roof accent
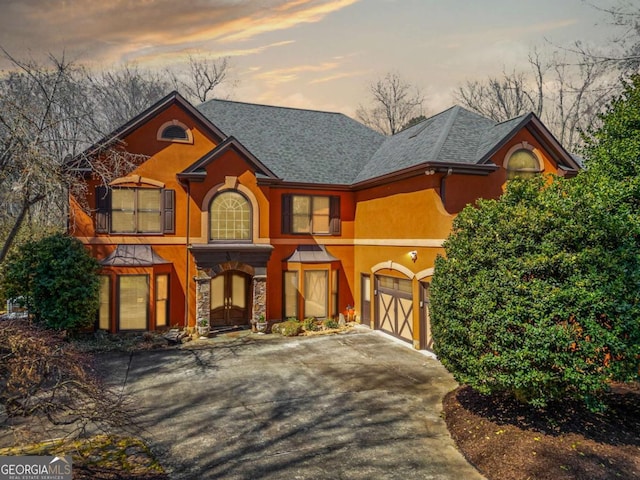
311,254
133,256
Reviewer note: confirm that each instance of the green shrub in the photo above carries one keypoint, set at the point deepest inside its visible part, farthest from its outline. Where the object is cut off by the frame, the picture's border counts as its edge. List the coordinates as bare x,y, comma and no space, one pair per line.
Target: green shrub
310,324
290,328
59,280
329,324
539,293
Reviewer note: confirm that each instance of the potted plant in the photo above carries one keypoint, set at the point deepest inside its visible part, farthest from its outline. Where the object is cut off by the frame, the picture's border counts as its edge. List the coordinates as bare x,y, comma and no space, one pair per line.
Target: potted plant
203,328
261,324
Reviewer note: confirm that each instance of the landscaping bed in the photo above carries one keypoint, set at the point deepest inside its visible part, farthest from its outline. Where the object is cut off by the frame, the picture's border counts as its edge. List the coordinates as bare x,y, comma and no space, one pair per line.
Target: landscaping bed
507,440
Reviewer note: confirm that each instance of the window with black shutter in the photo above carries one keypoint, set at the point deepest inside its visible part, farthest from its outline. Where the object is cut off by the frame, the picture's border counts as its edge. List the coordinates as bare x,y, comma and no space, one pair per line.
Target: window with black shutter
135,210
169,211
102,209
311,214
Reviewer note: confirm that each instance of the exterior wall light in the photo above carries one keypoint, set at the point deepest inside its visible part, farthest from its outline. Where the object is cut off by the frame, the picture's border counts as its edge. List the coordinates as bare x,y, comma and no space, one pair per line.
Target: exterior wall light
414,255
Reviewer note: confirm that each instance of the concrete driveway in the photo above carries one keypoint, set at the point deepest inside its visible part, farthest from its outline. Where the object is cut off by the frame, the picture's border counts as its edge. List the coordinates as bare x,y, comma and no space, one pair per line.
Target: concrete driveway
355,406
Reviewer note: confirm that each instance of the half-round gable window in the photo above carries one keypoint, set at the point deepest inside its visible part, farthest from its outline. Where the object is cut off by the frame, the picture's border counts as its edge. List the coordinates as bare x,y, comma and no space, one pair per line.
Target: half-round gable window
175,131
521,161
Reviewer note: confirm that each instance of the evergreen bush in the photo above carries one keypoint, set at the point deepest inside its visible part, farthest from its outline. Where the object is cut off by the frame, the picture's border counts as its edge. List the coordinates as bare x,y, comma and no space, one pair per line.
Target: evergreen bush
58,278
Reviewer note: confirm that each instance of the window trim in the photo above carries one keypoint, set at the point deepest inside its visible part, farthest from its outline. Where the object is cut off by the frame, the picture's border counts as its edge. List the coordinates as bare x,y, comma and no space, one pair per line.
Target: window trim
332,278
335,223
298,294
104,211
174,123
327,293
108,302
219,193
119,302
137,210
167,300
515,149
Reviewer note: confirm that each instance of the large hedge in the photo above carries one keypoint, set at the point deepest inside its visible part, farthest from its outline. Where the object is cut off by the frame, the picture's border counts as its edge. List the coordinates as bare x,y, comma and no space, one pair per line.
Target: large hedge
58,278
539,293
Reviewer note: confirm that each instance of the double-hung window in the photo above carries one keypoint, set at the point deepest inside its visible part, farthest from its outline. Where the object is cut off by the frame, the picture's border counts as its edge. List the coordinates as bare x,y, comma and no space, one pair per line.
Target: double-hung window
135,210
311,214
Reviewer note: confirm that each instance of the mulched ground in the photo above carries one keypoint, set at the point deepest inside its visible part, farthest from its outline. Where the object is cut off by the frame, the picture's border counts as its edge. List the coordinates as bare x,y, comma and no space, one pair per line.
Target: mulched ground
507,441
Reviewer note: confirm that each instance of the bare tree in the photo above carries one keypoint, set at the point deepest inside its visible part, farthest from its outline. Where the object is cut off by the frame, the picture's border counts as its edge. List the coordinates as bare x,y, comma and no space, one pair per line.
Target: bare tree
119,94
624,51
566,90
501,98
36,131
47,385
393,103
48,114
204,76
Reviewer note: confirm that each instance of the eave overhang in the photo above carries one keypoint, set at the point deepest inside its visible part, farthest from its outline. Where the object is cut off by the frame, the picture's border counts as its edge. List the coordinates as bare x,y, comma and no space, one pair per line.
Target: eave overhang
429,168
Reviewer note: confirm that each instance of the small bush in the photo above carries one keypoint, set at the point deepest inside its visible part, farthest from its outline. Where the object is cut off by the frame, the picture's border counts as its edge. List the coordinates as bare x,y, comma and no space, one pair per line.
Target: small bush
290,328
59,280
310,324
330,324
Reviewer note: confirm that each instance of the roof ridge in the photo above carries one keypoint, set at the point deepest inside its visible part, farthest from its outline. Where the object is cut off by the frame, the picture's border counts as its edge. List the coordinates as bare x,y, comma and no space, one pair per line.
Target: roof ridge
521,121
444,134
273,106
513,118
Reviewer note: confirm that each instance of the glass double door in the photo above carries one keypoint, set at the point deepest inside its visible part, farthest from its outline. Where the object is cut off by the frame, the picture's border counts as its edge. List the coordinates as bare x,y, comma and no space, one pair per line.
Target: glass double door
230,299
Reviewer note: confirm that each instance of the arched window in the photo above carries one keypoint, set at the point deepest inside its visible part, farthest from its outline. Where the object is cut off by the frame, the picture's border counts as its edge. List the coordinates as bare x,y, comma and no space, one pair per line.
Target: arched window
522,162
175,131
230,217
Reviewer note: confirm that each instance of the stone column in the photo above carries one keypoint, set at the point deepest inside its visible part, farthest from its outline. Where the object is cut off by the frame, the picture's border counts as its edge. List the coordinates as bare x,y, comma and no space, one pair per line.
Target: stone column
203,297
259,285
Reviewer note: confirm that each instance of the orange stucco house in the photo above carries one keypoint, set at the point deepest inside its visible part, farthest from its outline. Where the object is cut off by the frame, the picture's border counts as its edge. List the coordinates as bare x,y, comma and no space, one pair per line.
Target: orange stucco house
233,211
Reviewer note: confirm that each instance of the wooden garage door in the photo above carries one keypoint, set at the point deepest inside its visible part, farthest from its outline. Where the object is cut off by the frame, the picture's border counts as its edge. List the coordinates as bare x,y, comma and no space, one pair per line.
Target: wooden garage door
394,307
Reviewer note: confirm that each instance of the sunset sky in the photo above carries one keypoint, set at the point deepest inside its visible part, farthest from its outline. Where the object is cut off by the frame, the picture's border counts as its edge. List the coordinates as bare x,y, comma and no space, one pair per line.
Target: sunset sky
319,54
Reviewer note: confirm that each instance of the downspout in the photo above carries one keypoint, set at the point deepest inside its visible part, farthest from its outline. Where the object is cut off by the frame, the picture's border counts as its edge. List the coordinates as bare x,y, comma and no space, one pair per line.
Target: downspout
442,186
186,249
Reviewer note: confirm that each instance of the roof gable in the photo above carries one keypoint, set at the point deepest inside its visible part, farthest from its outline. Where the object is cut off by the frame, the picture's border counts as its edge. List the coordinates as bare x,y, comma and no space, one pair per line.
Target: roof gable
498,135
161,105
196,171
174,98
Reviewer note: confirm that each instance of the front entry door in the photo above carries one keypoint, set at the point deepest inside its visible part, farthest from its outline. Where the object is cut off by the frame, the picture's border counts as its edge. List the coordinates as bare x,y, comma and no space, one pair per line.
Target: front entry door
230,299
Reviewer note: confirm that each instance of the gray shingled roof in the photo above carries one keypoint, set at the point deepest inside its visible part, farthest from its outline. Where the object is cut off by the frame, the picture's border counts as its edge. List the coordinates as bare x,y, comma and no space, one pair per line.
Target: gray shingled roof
495,135
298,145
330,148
451,136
